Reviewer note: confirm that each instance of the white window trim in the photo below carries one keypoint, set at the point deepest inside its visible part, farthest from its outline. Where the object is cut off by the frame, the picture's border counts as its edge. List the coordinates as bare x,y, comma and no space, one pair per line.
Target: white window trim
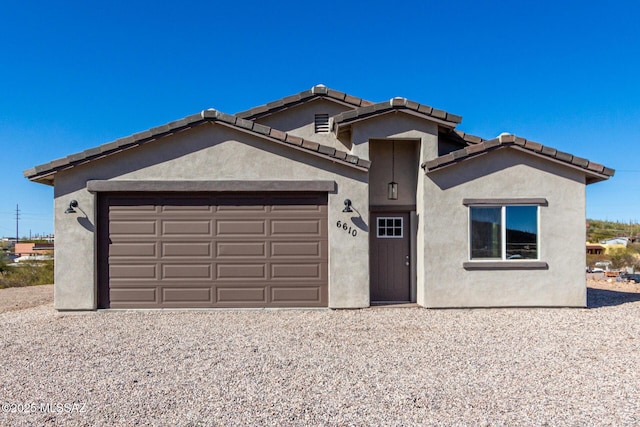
390,237
503,233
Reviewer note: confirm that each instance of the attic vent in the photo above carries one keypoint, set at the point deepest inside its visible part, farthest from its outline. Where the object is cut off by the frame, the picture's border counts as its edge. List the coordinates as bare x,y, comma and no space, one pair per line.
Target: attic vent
322,123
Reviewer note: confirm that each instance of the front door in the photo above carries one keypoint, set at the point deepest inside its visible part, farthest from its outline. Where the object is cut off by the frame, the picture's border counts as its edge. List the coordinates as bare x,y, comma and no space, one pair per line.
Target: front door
390,257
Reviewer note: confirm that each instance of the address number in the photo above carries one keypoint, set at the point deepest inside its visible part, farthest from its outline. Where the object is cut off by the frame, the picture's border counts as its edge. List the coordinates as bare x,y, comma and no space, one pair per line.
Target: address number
347,228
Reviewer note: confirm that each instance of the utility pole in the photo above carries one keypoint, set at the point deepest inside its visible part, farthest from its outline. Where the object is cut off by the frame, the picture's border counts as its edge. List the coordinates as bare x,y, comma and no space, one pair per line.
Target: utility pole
17,218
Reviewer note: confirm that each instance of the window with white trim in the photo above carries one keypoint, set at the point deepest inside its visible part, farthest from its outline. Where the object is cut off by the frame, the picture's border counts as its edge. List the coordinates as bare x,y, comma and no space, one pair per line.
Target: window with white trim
390,227
508,232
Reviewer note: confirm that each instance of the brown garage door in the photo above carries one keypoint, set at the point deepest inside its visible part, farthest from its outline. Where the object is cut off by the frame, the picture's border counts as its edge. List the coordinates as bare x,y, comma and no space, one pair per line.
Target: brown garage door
213,250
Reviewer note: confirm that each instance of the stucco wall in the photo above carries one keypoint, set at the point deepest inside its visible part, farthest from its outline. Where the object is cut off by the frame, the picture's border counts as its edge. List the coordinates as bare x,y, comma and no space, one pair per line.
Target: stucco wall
397,125
209,152
405,172
300,121
506,173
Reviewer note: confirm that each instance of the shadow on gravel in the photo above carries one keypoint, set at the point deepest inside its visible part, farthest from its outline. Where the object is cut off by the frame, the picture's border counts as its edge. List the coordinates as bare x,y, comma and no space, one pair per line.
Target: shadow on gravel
597,298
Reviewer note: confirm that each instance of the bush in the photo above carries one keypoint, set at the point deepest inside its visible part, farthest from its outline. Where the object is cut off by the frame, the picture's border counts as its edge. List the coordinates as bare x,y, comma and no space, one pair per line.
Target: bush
28,273
624,258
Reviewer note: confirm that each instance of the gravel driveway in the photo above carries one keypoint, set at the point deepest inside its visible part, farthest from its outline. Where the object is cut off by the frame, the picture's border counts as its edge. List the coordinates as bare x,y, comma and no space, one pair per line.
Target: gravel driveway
381,366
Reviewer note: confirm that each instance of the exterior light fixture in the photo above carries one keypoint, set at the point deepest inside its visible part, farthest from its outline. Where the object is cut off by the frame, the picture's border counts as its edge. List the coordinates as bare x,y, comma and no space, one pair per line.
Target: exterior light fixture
392,191
392,187
347,206
72,204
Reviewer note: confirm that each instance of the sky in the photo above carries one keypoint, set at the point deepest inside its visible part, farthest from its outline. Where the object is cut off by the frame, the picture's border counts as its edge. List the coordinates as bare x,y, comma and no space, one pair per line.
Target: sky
77,74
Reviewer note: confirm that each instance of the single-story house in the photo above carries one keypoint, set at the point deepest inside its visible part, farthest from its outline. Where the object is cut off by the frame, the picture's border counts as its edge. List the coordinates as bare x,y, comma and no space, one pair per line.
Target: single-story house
26,249
319,199
595,249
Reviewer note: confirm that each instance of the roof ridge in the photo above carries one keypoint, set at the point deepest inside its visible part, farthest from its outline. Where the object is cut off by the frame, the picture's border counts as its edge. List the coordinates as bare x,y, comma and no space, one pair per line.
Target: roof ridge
396,103
210,115
510,140
317,91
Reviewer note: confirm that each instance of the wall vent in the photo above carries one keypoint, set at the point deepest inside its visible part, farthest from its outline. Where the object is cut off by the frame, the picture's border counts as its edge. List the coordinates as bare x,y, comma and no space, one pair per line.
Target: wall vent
322,123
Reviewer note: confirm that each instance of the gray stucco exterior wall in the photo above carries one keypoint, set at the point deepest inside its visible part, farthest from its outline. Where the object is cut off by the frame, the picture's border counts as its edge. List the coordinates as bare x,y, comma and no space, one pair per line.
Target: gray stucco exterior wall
508,174
209,152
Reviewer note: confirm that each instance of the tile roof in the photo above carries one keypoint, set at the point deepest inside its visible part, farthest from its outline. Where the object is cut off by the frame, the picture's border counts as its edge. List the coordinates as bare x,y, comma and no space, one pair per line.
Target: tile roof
468,138
597,171
318,91
44,173
396,104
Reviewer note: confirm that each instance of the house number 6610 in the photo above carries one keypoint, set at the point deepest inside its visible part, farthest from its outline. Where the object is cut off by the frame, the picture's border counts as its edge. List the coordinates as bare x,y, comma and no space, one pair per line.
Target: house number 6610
347,228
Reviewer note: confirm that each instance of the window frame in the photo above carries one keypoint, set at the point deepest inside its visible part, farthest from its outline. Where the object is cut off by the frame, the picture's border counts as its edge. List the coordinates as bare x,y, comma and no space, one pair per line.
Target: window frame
386,236
503,230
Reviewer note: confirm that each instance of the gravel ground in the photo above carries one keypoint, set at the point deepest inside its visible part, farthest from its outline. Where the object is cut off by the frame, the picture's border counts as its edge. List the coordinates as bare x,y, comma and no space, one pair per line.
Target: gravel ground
381,366
29,296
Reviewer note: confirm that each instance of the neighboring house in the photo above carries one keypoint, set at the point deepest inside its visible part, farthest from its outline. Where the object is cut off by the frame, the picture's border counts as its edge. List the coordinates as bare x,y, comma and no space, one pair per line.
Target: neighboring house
319,199
616,241
27,249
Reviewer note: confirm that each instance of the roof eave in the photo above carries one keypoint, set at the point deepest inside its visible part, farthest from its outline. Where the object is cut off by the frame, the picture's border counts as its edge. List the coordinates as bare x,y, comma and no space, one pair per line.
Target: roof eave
45,173
316,92
593,172
346,124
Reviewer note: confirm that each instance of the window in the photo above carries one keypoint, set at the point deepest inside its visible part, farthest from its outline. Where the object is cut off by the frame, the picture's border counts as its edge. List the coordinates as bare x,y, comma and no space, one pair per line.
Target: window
504,232
321,123
390,227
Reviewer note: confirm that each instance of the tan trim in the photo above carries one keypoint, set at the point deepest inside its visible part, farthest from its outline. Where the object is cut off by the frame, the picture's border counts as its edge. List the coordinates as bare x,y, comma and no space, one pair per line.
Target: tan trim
97,186
516,201
505,265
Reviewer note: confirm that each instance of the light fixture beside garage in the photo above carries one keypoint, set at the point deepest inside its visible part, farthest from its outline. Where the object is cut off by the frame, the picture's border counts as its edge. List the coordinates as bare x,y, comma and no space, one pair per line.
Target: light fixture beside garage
347,206
72,204
392,187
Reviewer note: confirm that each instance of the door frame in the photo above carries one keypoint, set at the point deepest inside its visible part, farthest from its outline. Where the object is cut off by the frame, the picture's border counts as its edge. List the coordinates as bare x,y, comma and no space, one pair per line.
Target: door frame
410,210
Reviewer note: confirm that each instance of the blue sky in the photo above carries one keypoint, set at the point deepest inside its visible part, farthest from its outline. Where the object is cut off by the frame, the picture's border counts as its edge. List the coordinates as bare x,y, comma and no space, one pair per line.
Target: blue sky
76,74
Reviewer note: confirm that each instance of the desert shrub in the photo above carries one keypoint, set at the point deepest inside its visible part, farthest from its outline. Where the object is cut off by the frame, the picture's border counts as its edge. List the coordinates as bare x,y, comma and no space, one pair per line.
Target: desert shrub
28,273
624,258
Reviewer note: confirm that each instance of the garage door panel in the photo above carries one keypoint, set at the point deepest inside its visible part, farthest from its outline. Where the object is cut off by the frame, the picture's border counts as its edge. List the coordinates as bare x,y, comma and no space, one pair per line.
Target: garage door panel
181,228
302,249
299,295
133,249
241,295
182,294
296,271
132,228
288,227
133,271
241,250
241,272
133,295
213,250
241,228
186,271
186,249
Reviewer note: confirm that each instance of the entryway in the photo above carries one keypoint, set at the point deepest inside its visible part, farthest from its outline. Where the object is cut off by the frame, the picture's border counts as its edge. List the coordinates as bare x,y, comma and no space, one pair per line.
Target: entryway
390,257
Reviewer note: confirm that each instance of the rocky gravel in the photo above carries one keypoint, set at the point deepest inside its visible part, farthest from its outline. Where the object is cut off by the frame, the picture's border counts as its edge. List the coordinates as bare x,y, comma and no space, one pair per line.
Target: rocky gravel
380,366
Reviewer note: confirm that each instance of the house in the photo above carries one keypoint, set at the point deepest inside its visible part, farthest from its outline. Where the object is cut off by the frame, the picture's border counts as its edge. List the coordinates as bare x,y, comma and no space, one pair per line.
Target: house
617,242
30,248
319,199
595,249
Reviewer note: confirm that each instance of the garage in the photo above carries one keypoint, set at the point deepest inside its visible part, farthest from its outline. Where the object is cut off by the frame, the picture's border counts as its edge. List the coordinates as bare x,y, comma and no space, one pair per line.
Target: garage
209,250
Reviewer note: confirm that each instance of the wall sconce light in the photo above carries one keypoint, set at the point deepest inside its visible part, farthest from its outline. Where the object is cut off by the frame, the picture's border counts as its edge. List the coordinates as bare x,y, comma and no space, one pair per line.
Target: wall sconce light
347,206
392,187
72,204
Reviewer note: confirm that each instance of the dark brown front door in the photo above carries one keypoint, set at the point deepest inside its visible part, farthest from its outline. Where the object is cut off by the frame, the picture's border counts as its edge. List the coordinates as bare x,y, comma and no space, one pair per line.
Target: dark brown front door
390,257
